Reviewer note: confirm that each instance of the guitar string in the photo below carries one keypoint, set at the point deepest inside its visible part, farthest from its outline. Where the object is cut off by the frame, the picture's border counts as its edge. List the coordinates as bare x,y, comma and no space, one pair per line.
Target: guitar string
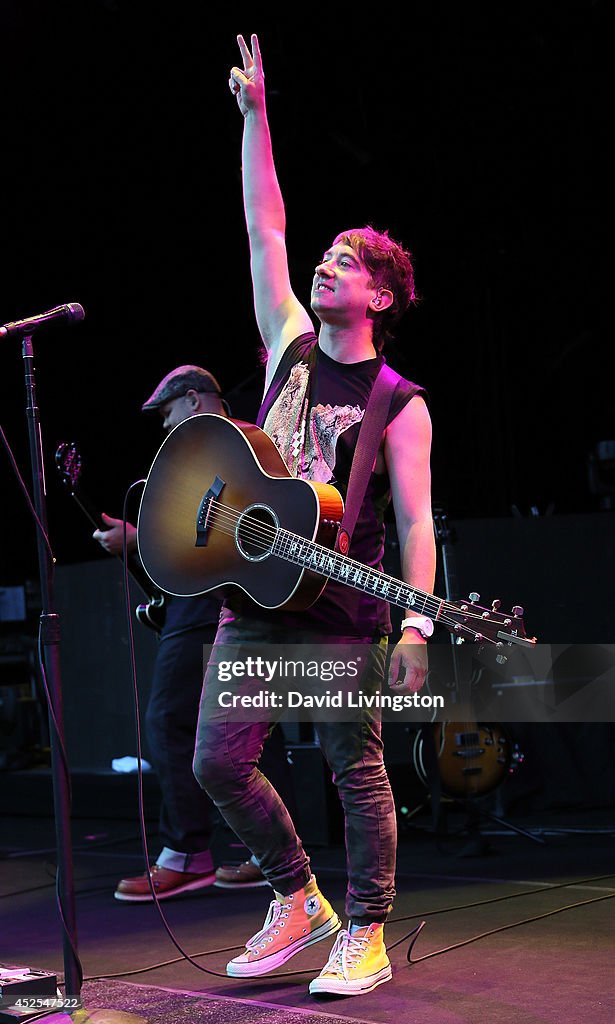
256,535
258,532
262,535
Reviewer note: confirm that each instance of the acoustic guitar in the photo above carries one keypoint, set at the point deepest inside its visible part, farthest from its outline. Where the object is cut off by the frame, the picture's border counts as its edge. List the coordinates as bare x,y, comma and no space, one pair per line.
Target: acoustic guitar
220,510
150,613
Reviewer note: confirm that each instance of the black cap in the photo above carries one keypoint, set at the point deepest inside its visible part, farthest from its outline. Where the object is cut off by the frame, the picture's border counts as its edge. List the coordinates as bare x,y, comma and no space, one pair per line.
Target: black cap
178,382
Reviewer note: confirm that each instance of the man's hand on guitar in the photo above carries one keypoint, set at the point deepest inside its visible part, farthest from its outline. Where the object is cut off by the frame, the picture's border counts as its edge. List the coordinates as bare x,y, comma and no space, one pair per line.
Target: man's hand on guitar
112,539
408,666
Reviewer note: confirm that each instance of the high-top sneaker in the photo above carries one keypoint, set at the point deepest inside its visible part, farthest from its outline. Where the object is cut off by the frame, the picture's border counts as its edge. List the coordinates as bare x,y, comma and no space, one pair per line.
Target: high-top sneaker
358,963
292,923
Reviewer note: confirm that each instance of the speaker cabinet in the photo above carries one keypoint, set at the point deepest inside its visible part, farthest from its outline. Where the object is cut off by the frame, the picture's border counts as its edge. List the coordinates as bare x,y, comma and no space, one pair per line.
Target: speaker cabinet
95,662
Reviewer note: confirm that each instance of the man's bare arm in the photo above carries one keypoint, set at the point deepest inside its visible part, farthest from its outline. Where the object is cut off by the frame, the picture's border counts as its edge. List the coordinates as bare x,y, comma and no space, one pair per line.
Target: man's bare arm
407,448
279,314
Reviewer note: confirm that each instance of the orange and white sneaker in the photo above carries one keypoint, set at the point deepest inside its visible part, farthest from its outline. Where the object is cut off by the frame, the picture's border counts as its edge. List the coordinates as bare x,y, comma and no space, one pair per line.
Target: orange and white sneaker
358,963
292,923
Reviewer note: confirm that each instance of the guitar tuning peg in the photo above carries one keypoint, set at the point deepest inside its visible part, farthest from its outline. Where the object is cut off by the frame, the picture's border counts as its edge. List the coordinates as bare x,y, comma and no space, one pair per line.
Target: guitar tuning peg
517,611
495,605
474,597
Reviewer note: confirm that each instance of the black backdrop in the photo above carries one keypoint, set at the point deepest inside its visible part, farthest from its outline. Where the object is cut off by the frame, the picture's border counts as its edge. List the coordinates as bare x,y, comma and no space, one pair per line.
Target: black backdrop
476,133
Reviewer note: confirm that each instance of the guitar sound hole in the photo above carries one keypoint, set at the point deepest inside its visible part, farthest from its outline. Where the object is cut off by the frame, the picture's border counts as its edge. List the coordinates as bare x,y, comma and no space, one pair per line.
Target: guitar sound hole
255,532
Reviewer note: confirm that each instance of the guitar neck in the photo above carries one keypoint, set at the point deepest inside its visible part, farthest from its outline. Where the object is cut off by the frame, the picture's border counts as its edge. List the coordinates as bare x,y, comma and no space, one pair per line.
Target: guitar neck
88,510
139,576
321,560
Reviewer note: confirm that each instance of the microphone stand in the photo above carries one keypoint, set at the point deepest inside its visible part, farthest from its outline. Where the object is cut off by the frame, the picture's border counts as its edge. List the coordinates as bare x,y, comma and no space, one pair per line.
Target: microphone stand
50,655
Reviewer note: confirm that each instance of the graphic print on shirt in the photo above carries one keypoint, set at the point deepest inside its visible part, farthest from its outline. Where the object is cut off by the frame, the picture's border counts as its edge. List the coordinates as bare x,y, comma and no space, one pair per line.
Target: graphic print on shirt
309,451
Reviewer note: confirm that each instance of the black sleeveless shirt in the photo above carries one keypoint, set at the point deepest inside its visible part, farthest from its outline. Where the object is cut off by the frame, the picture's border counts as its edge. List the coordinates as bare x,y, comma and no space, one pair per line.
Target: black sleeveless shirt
313,410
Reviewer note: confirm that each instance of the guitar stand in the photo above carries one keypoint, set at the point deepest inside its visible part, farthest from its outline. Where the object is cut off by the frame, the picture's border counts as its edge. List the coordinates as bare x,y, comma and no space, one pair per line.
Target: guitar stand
477,844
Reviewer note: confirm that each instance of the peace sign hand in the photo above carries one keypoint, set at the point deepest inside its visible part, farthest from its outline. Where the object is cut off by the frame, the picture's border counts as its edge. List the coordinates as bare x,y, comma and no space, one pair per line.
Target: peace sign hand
248,85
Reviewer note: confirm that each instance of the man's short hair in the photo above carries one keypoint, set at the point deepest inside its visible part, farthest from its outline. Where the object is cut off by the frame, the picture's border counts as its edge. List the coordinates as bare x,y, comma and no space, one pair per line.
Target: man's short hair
178,382
390,266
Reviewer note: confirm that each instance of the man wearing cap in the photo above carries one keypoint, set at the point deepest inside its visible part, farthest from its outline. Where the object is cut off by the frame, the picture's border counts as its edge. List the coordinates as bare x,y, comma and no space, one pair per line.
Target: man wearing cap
185,862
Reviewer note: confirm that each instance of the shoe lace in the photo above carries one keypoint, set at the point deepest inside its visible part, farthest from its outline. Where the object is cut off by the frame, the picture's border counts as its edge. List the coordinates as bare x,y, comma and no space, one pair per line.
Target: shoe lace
347,951
276,911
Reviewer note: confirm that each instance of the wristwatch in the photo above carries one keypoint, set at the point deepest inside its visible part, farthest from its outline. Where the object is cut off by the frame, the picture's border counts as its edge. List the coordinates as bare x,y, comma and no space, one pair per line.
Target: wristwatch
421,623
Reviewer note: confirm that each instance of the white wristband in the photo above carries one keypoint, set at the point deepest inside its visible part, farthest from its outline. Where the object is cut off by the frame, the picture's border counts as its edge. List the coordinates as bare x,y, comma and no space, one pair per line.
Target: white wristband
421,623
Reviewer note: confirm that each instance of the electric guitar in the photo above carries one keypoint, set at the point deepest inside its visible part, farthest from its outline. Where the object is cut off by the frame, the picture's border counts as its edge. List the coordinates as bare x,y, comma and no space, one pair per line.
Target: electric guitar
150,613
473,758
220,509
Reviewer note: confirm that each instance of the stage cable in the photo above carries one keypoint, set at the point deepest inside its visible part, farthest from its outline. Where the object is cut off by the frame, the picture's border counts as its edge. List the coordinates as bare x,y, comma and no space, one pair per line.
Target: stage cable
135,689
413,934
26,493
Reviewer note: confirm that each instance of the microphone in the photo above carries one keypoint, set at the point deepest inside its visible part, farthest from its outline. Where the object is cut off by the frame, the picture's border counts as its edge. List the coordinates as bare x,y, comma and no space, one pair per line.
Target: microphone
71,311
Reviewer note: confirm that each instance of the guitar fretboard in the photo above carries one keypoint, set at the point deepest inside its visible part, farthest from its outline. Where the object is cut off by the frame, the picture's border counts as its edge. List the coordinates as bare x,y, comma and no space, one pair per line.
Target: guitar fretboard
293,548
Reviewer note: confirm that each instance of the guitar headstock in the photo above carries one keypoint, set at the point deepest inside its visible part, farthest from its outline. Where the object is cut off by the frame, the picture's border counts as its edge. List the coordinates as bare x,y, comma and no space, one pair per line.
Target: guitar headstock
68,463
469,621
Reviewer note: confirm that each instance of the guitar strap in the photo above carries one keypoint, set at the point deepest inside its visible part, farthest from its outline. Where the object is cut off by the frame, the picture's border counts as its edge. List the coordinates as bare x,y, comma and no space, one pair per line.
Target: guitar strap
370,434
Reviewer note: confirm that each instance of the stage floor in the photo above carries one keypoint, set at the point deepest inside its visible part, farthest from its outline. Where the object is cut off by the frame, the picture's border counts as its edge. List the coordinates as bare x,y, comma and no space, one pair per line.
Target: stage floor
530,925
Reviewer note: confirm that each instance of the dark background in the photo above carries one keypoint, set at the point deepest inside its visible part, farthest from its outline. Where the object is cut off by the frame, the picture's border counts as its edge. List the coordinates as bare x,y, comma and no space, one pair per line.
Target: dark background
476,134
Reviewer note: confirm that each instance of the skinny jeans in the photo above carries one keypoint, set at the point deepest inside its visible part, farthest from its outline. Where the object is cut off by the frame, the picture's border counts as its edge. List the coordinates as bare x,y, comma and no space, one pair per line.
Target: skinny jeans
226,765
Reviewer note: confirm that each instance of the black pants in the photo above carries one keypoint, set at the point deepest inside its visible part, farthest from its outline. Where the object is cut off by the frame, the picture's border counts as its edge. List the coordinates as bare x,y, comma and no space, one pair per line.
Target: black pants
186,812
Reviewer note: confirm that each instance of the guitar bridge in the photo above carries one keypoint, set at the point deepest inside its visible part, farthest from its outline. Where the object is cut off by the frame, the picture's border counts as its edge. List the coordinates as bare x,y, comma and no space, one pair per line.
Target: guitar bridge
204,514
